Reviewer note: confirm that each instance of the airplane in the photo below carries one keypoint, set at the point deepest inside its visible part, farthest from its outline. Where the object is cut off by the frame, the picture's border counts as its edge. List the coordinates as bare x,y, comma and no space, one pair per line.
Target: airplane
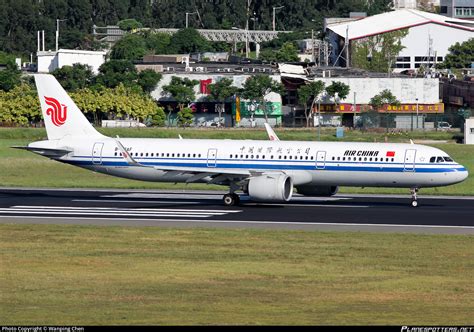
265,170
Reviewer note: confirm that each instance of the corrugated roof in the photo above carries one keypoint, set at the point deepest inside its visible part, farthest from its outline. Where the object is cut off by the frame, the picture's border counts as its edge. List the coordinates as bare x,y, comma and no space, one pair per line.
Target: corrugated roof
396,20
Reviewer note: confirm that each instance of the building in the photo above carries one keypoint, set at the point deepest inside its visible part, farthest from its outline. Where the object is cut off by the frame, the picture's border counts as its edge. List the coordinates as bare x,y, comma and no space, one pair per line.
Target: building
427,42
420,104
48,61
206,112
463,9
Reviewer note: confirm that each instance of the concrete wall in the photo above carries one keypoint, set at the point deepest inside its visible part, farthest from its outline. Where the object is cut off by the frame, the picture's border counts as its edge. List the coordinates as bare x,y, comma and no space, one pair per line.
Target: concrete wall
469,131
49,61
405,89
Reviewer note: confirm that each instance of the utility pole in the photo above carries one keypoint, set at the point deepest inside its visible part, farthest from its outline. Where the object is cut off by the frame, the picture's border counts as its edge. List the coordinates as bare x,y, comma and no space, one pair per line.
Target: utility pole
274,9
187,17
417,113
57,32
312,46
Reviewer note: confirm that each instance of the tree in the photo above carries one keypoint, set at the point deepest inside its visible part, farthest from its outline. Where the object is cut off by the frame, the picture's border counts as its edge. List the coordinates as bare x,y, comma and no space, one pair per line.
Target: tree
114,72
189,41
185,117
337,90
19,106
221,91
384,98
257,87
72,78
130,47
157,43
148,79
129,24
377,53
460,55
287,53
308,93
10,77
182,90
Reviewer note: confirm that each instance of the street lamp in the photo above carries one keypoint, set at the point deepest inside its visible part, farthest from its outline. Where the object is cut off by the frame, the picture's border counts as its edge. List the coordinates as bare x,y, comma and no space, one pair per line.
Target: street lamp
187,17
274,9
57,32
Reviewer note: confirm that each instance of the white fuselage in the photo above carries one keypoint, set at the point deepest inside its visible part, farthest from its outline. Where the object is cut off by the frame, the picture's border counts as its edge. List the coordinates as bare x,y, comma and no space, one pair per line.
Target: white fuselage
307,163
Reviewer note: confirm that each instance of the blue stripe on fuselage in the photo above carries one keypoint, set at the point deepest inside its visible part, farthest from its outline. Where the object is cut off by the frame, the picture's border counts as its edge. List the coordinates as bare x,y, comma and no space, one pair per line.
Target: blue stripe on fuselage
203,163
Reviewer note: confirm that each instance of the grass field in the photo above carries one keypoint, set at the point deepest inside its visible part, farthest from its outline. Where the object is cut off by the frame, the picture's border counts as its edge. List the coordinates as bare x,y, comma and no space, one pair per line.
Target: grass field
75,275
24,169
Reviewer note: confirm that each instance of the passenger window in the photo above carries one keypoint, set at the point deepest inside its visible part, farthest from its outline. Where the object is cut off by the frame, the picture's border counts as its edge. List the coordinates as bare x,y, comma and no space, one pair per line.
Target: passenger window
338,158
393,159
432,159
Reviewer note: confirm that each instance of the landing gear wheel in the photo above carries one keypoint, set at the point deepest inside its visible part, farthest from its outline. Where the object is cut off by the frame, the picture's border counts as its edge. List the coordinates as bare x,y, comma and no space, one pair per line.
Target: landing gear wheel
414,202
231,199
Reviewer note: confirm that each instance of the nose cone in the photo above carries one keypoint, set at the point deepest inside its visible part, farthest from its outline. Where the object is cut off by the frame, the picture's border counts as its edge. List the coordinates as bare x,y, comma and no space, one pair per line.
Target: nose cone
459,175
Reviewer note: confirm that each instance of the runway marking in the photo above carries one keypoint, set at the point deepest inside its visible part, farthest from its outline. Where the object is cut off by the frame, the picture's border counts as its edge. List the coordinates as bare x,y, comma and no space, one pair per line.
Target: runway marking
136,201
121,209
103,211
251,222
310,205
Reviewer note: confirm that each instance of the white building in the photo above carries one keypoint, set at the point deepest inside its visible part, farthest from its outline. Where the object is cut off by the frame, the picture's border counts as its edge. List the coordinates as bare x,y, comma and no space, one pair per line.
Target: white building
48,61
469,131
427,42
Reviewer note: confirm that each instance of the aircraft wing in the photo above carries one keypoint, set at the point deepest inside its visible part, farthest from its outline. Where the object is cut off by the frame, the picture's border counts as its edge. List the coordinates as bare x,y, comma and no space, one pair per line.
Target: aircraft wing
198,173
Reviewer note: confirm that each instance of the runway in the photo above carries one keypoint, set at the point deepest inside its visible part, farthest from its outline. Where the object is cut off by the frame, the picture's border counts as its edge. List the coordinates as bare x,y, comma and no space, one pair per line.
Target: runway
176,208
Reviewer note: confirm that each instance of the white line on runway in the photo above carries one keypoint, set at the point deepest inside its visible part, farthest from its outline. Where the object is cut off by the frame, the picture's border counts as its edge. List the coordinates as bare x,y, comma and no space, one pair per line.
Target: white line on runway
118,209
136,201
104,211
251,222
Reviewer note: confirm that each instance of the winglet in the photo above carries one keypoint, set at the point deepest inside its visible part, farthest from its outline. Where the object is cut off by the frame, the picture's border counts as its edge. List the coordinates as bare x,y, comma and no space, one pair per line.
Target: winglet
271,134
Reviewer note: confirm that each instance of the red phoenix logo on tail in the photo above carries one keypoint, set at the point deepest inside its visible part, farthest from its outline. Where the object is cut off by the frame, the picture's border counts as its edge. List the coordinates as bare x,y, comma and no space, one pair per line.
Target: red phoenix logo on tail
57,112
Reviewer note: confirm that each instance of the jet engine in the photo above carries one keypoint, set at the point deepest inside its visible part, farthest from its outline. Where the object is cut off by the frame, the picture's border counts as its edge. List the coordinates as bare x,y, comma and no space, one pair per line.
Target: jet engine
271,188
311,190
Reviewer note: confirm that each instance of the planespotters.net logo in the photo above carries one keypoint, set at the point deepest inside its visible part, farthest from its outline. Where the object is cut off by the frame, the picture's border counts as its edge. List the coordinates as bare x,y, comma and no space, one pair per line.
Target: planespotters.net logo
437,329
57,111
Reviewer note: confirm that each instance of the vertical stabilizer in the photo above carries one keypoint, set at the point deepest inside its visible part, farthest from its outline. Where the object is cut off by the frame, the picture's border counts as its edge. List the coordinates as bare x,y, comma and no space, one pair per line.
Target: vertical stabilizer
61,115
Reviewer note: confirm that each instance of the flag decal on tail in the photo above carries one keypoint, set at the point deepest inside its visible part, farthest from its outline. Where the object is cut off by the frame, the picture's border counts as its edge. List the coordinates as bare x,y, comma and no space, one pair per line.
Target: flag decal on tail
57,111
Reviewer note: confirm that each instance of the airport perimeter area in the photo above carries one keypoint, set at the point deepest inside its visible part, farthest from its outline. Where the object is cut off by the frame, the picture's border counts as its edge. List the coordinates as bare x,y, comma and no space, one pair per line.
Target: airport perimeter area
88,274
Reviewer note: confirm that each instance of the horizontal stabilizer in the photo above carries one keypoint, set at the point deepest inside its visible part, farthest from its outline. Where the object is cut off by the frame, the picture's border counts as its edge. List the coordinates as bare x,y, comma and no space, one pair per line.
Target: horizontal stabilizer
52,153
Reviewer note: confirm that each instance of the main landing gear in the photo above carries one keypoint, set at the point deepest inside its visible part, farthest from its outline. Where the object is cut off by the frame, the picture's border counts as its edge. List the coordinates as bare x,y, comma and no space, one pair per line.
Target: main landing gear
414,202
231,199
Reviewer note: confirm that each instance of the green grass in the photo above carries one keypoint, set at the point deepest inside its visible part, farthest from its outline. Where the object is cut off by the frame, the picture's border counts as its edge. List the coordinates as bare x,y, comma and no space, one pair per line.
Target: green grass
80,275
25,169
327,134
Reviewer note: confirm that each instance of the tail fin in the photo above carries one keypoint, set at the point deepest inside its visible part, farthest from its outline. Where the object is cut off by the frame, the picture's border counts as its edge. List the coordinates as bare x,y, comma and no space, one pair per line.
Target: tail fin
61,115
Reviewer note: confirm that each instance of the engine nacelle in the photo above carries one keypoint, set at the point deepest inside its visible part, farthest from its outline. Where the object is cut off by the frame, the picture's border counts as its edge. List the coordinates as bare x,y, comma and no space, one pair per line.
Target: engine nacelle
309,190
271,188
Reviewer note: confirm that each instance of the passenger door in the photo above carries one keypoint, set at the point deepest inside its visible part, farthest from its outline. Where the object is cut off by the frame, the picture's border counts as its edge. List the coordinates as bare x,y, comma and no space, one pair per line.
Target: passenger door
409,165
97,153
211,157
320,159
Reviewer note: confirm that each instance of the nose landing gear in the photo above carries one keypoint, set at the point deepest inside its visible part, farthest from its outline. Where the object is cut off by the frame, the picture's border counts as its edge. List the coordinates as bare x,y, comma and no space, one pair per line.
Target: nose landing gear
414,201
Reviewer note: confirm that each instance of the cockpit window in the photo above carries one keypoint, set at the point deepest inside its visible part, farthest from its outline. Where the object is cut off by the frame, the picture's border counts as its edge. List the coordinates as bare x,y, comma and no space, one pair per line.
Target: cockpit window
432,159
439,160
448,159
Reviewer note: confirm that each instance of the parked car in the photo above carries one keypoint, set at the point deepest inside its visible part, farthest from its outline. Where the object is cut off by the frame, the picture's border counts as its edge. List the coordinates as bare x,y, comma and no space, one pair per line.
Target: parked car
443,125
